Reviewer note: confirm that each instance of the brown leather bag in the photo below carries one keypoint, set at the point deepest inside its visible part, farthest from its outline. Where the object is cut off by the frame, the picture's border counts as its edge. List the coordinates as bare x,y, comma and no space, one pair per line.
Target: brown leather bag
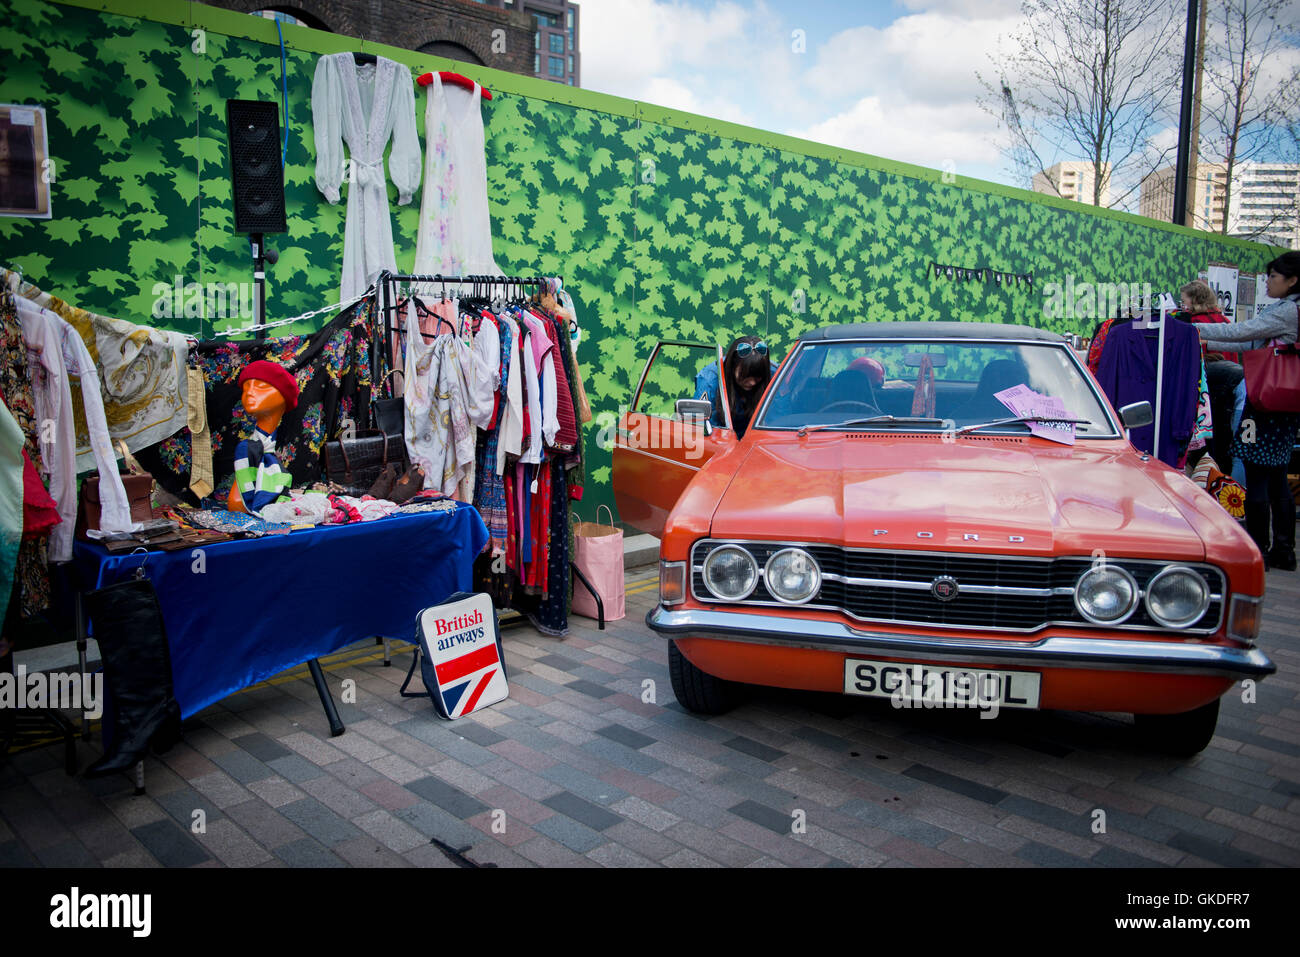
358,461
139,493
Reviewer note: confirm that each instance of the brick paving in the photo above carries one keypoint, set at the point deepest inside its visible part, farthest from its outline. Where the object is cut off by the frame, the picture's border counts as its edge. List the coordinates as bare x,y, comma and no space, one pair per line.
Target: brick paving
591,762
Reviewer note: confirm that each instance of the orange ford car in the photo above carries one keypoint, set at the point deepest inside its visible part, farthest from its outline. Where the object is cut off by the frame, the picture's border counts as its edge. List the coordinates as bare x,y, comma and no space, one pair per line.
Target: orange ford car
902,528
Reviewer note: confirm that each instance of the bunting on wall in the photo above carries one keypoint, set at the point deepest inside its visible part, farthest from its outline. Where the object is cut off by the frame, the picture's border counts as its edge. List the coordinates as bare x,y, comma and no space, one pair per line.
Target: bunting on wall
981,274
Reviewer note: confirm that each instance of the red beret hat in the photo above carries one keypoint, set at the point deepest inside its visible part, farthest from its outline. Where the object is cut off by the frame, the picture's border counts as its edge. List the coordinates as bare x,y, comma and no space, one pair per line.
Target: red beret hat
276,376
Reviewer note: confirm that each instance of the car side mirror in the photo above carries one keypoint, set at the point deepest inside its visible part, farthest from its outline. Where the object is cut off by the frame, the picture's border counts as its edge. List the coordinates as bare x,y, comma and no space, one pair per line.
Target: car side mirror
696,409
1136,414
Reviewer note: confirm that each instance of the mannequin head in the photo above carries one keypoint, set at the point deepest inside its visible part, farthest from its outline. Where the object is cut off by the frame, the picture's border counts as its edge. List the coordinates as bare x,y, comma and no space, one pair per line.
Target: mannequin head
264,403
268,391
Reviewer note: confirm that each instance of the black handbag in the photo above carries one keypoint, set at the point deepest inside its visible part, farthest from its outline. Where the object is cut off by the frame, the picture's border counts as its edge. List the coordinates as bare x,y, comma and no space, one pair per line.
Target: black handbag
358,461
390,418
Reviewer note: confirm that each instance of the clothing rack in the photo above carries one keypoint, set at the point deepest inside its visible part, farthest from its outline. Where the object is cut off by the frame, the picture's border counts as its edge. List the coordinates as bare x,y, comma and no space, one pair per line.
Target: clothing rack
388,285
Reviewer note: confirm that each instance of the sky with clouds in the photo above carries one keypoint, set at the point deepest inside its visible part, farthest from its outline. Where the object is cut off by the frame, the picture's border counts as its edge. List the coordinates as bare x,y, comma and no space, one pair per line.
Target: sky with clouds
895,78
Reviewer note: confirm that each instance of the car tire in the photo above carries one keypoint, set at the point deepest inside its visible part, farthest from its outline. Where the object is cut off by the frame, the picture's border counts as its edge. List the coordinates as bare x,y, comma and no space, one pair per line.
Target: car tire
697,690
1183,734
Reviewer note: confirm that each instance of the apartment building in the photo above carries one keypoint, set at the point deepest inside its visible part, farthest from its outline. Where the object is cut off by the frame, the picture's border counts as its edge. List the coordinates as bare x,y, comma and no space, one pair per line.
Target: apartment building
1073,180
1156,196
1265,203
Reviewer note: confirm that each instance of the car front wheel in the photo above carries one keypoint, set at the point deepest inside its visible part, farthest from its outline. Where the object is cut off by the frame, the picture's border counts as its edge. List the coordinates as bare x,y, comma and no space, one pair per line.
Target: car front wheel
698,690
1181,734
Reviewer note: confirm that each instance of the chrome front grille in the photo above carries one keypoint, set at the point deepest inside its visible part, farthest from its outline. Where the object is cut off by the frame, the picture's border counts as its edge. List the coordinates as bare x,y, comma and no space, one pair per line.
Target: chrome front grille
996,592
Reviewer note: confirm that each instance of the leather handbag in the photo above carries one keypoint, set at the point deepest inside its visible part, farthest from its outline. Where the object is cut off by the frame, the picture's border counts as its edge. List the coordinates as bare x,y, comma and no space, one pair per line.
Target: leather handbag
139,495
1273,376
358,461
390,418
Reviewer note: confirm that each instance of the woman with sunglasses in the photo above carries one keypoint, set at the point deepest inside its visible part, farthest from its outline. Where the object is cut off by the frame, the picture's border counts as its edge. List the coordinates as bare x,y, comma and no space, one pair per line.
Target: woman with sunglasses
748,370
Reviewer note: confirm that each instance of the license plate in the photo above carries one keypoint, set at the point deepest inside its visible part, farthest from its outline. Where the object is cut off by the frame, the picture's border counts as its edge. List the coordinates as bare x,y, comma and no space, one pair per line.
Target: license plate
925,686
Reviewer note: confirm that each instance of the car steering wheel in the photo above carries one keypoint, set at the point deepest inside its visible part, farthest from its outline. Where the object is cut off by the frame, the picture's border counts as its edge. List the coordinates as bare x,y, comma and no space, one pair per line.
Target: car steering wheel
851,402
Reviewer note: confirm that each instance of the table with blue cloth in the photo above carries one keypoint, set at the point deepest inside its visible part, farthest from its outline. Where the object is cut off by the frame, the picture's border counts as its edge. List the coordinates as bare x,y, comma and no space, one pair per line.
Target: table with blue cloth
249,609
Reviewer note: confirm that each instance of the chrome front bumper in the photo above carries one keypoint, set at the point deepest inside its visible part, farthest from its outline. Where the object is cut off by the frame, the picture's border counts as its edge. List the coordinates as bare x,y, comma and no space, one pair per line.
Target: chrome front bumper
1105,654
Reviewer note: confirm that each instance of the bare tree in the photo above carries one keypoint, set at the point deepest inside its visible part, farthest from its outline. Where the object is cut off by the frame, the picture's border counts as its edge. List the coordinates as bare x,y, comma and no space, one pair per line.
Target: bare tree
1091,80
1249,103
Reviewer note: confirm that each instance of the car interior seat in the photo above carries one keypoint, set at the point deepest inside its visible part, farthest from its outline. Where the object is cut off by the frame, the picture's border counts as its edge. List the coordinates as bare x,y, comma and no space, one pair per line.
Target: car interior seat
983,405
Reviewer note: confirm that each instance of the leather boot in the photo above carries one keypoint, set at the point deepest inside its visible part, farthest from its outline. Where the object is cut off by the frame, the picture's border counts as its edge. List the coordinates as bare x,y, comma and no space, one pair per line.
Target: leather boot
1257,522
1282,554
128,626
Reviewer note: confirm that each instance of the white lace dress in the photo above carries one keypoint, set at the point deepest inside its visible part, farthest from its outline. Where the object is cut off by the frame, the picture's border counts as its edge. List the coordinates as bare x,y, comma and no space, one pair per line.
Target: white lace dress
455,233
363,106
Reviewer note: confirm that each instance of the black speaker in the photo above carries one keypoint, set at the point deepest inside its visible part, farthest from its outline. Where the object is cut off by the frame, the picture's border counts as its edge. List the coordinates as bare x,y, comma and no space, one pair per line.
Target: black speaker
256,173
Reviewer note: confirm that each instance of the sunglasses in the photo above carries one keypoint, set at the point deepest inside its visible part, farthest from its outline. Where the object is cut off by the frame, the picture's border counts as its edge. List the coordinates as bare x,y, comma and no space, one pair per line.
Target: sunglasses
745,348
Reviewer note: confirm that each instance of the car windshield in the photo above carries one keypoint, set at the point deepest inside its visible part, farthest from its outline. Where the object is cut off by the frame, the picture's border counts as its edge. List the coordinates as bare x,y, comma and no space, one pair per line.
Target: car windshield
926,385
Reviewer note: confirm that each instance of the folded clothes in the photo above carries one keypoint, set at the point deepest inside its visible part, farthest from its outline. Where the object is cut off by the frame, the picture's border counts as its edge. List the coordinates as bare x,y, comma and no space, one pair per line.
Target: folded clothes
429,505
364,509
235,522
304,508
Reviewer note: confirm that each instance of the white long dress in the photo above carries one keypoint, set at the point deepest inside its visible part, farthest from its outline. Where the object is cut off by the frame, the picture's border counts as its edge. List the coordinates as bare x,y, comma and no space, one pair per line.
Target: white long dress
363,106
455,234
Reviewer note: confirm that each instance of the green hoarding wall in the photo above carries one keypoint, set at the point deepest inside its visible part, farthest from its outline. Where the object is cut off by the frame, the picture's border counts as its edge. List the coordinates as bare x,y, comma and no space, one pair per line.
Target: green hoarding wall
663,225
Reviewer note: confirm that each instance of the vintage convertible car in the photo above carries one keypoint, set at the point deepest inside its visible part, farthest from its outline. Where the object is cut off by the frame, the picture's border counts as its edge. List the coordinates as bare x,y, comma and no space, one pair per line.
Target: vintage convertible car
888,527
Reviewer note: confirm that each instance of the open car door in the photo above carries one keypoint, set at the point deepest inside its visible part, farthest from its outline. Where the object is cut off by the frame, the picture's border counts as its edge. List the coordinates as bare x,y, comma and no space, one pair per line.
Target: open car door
657,449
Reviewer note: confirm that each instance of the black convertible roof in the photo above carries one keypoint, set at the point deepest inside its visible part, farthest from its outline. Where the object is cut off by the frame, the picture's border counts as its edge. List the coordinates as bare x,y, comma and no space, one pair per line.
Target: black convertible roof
931,330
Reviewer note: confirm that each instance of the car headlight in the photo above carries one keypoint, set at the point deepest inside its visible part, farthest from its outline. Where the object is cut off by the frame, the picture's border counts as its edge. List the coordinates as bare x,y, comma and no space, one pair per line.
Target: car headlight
730,572
1176,597
792,576
1105,594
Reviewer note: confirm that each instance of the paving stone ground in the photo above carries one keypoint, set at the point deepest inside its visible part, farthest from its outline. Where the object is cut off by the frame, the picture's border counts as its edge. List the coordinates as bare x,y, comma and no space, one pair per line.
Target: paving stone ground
592,762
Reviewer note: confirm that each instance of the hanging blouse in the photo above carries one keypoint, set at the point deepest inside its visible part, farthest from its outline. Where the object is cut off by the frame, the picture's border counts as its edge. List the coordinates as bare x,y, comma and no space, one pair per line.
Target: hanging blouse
512,425
30,569
116,509
363,106
544,356
532,453
566,437
482,369
439,436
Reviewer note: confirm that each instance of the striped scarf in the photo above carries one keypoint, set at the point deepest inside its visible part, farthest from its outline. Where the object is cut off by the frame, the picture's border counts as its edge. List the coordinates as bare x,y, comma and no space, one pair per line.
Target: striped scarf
258,474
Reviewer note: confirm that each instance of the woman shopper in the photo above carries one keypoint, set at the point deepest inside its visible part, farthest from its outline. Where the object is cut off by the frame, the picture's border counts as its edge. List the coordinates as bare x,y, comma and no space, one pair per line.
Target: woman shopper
1265,440
748,370
1222,373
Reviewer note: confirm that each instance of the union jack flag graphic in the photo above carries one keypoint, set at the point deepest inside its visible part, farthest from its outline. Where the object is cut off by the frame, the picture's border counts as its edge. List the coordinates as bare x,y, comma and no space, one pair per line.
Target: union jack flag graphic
462,665
463,681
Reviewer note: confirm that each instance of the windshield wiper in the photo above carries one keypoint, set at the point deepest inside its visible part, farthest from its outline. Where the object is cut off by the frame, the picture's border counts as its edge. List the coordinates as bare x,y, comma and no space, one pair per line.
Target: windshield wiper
1021,420
875,419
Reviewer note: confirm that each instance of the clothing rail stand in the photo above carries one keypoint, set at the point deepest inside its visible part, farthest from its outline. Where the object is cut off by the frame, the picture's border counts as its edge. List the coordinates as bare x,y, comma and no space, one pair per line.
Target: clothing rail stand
389,284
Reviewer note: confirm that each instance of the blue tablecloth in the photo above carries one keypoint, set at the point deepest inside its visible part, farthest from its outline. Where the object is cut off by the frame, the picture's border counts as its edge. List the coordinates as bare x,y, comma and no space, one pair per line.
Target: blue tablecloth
258,606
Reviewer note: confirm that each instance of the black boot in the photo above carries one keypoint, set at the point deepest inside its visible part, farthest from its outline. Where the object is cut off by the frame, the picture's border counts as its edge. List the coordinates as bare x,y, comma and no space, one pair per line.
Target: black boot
137,670
1257,521
1282,554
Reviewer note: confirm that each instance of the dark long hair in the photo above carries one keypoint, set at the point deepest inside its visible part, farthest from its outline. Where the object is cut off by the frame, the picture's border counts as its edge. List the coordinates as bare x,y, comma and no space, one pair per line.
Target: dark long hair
753,365
1288,265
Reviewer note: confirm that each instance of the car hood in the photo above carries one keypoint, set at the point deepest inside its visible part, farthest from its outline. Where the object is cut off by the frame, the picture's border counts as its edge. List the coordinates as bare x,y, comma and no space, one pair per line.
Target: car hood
965,493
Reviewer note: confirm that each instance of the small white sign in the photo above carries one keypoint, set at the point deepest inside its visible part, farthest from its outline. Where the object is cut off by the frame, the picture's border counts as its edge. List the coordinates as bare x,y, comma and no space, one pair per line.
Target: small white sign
19,117
1223,280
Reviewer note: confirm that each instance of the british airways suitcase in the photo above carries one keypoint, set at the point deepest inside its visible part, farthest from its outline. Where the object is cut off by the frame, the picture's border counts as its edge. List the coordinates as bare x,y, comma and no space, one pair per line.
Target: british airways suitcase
458,649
